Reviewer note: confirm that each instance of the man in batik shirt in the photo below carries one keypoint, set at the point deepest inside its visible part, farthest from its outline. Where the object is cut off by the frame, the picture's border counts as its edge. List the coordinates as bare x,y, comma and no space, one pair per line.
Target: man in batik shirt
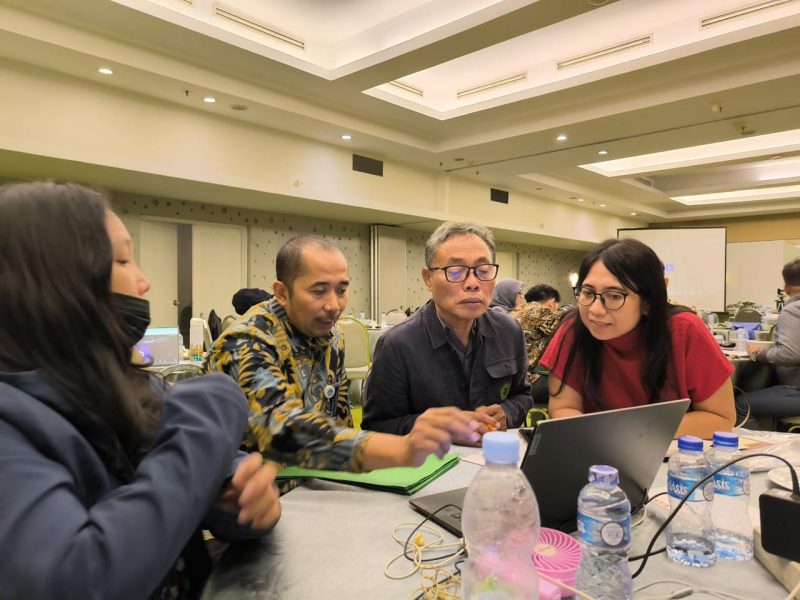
539,319
288,358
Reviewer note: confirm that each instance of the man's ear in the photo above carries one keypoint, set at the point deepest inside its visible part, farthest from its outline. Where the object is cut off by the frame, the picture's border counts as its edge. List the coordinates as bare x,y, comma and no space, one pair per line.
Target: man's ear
281,292
426,277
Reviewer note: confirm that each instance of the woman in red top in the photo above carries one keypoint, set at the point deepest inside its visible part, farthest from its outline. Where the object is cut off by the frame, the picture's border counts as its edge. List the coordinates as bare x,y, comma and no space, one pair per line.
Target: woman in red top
627,346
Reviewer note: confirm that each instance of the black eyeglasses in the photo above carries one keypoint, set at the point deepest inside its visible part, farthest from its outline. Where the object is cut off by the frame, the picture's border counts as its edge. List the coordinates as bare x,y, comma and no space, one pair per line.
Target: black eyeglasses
459,273
611,300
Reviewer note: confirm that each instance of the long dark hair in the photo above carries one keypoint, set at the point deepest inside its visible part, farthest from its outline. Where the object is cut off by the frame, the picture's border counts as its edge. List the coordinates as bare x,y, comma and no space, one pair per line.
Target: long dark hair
57,313
639,269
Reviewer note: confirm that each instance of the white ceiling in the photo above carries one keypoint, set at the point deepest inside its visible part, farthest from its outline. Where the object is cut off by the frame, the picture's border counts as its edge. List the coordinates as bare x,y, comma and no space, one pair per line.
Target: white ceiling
684,85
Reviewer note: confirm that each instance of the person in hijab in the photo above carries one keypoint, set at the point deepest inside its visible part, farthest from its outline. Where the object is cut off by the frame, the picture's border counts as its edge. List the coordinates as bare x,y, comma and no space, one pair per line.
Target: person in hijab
507,295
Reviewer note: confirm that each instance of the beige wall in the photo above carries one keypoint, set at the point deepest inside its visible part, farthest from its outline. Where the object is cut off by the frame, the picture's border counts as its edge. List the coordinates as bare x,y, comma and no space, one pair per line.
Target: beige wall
753,229
267,231
93,132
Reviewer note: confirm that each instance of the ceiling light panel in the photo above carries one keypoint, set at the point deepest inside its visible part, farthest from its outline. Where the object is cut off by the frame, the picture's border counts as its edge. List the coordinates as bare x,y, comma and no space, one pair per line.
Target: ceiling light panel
738,149
783,192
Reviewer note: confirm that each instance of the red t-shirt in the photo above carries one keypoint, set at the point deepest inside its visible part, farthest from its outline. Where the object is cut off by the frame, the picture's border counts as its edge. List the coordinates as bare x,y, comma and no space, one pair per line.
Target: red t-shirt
696,370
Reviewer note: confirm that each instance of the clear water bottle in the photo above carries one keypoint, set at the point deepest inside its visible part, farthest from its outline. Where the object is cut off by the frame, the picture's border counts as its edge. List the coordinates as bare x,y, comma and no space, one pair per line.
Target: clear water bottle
604,526
712,321
741,339
733,530
690,534
500,520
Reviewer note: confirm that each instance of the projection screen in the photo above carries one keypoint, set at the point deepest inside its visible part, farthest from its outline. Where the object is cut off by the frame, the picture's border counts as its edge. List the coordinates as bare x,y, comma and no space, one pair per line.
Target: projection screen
694,262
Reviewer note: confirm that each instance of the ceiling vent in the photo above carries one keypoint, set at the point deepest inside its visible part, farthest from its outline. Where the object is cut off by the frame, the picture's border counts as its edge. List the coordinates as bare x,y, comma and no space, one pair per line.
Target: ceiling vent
644,181
740,12
406,87
492,85
228,13
598,54
187,2
364,164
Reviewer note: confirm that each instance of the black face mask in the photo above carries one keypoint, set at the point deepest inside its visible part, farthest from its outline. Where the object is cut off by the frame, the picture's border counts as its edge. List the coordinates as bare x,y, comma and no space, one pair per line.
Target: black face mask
135,316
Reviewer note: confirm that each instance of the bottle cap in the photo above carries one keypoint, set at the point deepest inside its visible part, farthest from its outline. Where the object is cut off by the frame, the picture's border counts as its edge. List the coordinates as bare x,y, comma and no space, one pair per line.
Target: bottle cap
726,439
691,443
501,448
603,475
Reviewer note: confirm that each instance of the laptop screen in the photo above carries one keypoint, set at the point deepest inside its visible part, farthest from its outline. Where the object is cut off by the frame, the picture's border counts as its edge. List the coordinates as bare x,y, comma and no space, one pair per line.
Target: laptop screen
160,346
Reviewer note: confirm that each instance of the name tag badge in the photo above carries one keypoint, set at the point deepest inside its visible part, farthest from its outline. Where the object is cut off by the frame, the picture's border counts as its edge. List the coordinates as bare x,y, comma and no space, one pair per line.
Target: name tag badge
504,391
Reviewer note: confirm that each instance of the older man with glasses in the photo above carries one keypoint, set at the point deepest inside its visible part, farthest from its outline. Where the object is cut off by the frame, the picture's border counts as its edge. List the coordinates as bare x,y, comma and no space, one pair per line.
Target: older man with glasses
451,352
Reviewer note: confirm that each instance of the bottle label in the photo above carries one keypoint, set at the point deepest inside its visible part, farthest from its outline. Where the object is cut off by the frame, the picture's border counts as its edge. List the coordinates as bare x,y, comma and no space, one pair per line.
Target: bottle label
678,487
733,481
611,534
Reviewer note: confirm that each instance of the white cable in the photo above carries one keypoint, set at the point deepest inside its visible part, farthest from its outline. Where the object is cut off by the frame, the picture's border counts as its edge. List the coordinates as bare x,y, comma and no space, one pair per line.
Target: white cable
695,590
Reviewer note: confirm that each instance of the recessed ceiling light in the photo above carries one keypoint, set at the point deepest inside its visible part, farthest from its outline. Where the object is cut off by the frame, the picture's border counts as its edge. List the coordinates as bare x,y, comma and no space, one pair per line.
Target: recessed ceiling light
602,206
634,214
580,199
347,136
602,152
105,71
561,137
209,99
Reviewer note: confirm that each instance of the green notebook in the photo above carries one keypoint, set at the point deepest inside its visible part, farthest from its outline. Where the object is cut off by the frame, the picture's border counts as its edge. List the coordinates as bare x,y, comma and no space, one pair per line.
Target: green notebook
400,480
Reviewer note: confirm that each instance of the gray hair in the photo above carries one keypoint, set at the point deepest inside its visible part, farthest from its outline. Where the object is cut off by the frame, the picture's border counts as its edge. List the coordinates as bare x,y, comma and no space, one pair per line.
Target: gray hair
449,229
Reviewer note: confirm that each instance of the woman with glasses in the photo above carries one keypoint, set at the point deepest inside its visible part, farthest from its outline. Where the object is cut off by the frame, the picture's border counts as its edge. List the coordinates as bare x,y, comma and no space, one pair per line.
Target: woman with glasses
627,346
105,473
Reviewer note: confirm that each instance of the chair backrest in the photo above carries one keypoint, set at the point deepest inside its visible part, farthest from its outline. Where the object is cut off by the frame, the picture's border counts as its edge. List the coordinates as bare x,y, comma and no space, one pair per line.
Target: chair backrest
227,321
181,371
214,324
356,341
747,315
395,316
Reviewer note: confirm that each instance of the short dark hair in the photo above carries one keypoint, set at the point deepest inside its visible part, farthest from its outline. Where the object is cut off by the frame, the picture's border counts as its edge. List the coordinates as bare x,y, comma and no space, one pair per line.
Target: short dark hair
248,297
289,262
541,292
791,273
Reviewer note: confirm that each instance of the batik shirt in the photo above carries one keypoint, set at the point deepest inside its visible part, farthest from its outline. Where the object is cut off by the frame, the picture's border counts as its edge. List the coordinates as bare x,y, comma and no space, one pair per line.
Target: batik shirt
296,388
538,324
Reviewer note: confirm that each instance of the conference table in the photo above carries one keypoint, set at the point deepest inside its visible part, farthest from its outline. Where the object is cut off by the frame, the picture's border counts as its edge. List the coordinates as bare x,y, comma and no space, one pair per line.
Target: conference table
333,541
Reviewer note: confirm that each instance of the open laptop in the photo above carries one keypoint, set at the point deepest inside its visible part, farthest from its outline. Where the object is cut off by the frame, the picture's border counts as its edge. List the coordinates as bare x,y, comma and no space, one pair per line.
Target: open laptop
560,452
161,346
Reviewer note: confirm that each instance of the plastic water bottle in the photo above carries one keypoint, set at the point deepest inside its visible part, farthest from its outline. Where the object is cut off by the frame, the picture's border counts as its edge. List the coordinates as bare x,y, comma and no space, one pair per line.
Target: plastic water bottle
741,339
712,321
196,340
733,530
500,520
690,533
604,526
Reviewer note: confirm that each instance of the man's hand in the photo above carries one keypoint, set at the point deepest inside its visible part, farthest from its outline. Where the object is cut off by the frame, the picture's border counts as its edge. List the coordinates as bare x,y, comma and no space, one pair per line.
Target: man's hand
252,491
497,413
434,431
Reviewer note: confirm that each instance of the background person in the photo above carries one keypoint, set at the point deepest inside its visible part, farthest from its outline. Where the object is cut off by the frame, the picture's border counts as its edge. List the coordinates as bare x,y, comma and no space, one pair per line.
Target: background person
782,400
246,298
507,295
627,346
105,475
452,352
539,318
